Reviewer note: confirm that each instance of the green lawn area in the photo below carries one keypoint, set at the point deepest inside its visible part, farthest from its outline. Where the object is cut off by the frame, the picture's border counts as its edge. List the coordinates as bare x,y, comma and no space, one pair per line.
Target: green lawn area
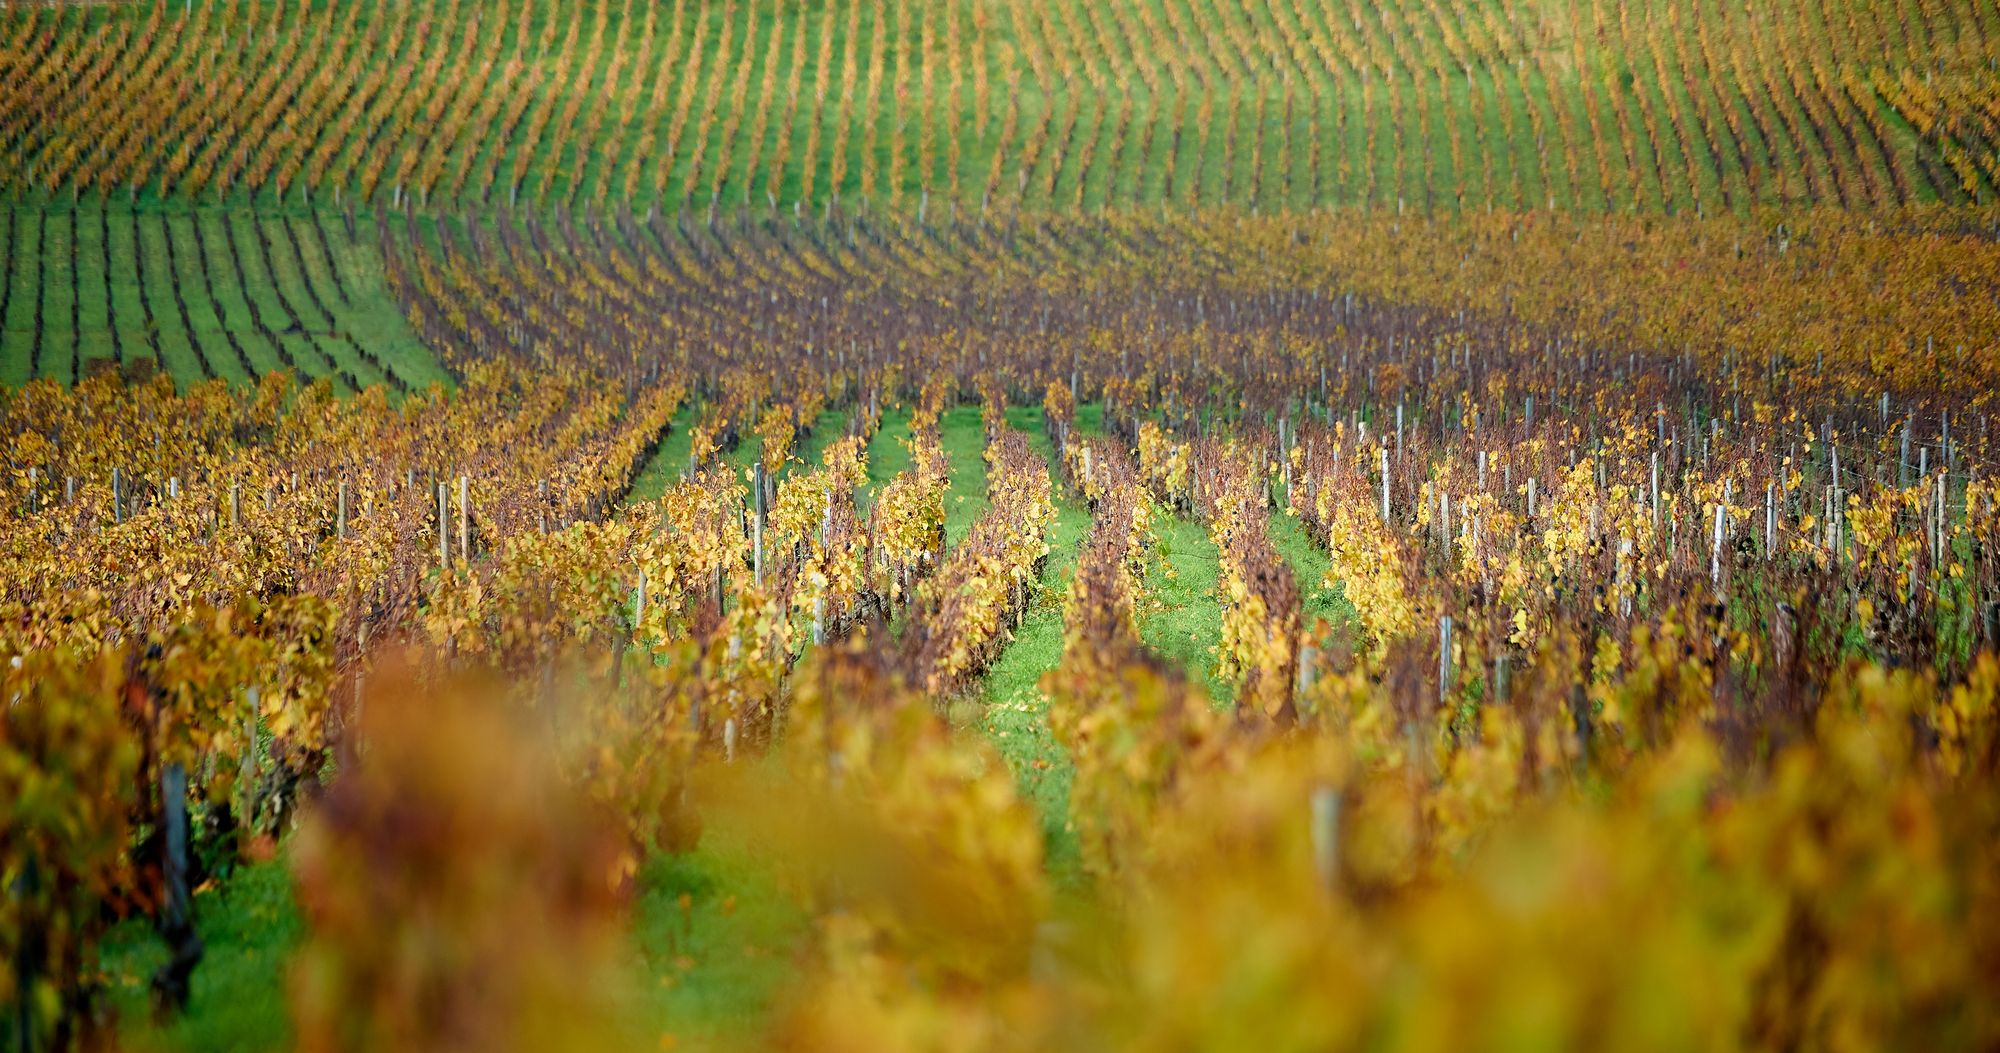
1016,711
319,296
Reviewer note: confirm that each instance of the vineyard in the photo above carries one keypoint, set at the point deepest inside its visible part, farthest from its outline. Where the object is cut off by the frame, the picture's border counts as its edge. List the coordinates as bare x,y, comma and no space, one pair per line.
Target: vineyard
194,295
1005,104
1024,524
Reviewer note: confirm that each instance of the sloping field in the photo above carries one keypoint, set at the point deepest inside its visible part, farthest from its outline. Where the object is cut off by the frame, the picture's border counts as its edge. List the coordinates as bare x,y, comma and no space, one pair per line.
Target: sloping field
1040,104
225,293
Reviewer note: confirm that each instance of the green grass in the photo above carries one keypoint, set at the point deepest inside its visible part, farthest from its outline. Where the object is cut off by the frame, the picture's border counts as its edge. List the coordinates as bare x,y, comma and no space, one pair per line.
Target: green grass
1309,563
249,924
58,340
669,461
261,294
119,278
963,436
1181,619
710,970
93,331
707,970
830,425
205,313
887,456
17,330
1016,713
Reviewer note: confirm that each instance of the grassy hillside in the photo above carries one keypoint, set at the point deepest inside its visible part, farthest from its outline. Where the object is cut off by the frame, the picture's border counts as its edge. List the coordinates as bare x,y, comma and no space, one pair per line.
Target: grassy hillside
1042,104
198,293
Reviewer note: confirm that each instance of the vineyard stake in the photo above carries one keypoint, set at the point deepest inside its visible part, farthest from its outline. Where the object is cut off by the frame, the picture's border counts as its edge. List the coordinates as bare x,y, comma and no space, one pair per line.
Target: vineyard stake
1937,523
1444,525
1656,489
1444,660
1624,578
176,924
1715,551
1385,485
1770,524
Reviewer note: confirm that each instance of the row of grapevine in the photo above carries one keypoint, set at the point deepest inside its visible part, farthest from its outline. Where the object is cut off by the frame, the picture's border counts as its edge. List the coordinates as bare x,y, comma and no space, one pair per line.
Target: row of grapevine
226,295
1434,104
1726,574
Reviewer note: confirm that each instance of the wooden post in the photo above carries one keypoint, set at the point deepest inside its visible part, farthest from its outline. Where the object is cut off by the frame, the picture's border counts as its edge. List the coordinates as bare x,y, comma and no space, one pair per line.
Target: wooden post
1444,524
1444,660
1770,523
340,513
1715,550
1903,461
1624,577
1656,489
1937,524
1385,484
464,521
176,920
